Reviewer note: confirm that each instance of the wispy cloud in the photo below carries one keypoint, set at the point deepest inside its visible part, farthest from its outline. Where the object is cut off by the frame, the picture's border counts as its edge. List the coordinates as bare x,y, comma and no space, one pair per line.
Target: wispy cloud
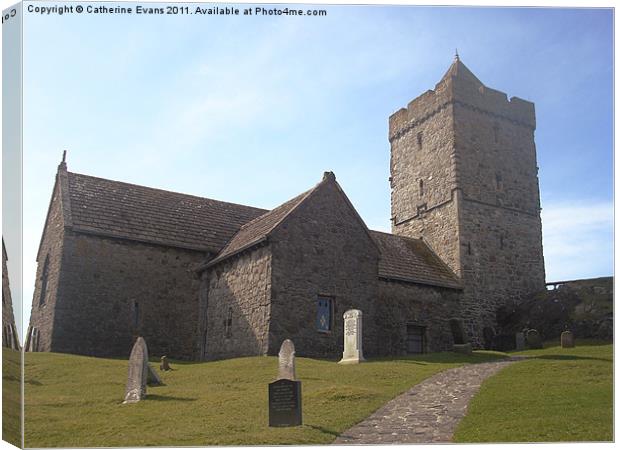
578,240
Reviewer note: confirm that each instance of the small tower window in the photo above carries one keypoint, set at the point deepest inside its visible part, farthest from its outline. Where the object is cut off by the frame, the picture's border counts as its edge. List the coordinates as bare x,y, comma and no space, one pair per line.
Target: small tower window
421,209
44,275
228,323
469,248
496,133
420,139
136,314
501,242
421,188
499,182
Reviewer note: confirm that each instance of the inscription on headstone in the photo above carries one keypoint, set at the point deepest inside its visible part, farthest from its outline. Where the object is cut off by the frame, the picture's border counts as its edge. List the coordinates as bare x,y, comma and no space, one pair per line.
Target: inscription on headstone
567,339
286,361
285,403
352,353
138,372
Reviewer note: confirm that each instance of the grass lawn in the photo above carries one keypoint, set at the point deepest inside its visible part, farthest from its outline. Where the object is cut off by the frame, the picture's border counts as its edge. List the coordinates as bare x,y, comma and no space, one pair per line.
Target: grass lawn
561,395
11,397
75,401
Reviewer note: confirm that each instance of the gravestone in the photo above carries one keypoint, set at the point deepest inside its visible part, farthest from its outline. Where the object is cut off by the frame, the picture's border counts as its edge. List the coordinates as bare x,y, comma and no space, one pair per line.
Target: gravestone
533,339
285,403
465,349
504,342
152,379
458,331
352,353
567,339
138,372
488,334
520,341
286,361
164,363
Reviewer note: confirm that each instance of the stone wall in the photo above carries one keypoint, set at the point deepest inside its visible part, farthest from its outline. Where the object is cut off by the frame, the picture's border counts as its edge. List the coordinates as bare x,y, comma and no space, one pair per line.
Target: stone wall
400,304
237,295
49,261
9,330
322,249
113,290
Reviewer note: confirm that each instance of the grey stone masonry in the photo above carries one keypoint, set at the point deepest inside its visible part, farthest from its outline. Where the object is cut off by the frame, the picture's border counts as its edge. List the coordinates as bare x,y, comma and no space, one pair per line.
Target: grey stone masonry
464,178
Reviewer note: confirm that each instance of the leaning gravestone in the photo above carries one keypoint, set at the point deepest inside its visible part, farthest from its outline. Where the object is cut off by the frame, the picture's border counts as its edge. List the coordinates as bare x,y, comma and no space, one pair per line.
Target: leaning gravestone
286,361
285,392
533,339
138,372
152,379
567,339
352,353
520,341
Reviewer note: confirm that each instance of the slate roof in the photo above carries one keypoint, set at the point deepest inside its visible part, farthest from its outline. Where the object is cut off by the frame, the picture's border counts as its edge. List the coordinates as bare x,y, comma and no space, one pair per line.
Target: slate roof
124,210
257,230
411,260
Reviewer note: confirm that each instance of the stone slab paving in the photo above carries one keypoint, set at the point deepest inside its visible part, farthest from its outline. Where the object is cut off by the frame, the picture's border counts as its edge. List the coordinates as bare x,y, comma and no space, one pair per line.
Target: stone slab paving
428,412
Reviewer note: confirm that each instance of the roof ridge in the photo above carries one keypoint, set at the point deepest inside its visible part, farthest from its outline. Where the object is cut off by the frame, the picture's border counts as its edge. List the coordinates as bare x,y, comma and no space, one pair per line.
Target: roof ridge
166,191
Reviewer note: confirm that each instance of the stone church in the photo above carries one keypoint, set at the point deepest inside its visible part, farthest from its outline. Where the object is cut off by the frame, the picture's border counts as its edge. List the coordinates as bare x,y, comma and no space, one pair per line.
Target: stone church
204,279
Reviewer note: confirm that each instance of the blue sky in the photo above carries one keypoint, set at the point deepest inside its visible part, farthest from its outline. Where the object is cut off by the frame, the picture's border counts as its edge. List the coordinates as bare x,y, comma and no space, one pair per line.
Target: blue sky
252,110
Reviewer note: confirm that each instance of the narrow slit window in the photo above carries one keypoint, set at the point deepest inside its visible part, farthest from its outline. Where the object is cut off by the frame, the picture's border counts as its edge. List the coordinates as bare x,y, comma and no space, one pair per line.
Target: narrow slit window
499,182
501,242
496,133
44,275
421,183
136,314
324,317
469,248
419,136
228,324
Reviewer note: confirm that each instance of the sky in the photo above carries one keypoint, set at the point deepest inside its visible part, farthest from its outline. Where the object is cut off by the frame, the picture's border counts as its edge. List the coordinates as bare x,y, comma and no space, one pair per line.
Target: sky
253,109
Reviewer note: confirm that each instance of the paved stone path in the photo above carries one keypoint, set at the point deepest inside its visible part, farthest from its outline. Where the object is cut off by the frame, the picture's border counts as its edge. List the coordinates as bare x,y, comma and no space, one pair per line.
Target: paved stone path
428,412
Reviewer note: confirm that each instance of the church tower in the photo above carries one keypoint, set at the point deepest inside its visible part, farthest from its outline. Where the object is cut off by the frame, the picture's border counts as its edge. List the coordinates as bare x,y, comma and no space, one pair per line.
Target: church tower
464,178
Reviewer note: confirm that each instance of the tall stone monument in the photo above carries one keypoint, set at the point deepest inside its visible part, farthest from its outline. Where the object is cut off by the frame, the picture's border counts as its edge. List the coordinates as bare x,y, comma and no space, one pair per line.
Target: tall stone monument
138,372
352,353
286,361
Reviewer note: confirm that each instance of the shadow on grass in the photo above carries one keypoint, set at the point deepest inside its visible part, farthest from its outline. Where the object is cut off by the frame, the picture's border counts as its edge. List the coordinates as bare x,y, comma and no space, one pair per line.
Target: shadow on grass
168,398
323,430
570,358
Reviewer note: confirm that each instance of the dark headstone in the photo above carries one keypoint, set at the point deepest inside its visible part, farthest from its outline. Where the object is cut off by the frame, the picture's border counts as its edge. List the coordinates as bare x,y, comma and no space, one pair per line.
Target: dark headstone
164,363
504,342
567,339
520,341
533,339
458,331
487,335
138,372
465,349
285,403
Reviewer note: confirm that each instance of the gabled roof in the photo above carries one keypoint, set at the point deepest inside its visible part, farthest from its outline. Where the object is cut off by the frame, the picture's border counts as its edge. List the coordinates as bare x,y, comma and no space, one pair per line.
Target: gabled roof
460,71
123,210
411,260
259,229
